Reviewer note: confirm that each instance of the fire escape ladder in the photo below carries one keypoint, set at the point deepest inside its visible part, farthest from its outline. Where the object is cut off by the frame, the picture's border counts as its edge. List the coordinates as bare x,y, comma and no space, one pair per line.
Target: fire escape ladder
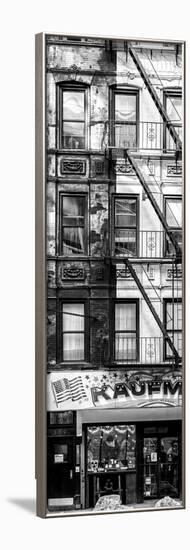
152,309
154,203
155,98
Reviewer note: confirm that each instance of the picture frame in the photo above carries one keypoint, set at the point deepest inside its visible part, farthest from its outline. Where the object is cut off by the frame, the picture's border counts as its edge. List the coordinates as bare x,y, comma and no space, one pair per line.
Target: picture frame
110,286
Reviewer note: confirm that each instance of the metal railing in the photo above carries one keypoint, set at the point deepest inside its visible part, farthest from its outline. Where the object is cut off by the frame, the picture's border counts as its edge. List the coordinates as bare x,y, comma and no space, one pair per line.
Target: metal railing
125,135
143,135
144,244
146,350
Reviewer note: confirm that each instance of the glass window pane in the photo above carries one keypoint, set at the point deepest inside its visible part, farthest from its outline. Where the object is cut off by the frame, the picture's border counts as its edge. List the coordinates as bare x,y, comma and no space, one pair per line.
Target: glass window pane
125,135
73,105
73,346
177,309
174,212
73,240
125,212
169,246
73,207
125,347
73,317
125,107
174,108
125,242
125,317
176,338
106,444
73,135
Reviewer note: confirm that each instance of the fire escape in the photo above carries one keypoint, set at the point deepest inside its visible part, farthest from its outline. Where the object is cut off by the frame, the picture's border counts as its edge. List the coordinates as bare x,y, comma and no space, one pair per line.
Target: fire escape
133,155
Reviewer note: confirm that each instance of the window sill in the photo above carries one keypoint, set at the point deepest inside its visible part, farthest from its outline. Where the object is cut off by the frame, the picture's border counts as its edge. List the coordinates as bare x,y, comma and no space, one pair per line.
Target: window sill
70,365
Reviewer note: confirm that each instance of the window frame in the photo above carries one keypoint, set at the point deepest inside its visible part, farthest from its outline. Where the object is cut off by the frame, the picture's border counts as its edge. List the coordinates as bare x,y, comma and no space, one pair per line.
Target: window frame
71,87
137,331
74,300
61,225
169,93
125,196
172,228
170,332
123,91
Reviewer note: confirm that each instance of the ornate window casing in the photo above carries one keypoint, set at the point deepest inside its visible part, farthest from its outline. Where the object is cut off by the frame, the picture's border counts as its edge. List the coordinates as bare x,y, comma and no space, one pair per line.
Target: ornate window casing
173,324
73,233
125,213
172,100
173,216
124,128
72,116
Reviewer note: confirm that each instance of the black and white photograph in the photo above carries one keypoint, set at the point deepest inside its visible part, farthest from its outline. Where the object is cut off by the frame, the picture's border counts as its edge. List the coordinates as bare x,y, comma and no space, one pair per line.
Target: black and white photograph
114,274
95,266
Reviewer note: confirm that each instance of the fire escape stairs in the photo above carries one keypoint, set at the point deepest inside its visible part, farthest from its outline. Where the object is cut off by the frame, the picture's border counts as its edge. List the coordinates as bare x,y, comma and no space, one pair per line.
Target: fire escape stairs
133,162
154,203
167,338
154,95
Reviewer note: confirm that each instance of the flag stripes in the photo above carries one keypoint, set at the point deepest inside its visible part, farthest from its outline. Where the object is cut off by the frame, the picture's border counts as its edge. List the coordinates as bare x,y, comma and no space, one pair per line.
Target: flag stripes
65,389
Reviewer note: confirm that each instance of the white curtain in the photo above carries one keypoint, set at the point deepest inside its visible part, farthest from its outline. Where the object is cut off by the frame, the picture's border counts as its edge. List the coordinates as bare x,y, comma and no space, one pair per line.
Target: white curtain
73,332
125,332
73,223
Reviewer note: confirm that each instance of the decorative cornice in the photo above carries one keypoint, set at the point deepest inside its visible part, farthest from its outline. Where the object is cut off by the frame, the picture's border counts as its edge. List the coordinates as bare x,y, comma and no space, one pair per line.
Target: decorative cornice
70,166
72,272
174,170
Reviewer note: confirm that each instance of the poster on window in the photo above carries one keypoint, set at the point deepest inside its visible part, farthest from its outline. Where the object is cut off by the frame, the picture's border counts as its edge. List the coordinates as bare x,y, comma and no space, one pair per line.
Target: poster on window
110,253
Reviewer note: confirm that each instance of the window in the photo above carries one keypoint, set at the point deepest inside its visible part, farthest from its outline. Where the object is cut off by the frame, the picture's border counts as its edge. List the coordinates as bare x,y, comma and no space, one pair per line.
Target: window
73,224
126,331
72,117
173,214
111,445
173,106
173,325
73,341
125,231
125,114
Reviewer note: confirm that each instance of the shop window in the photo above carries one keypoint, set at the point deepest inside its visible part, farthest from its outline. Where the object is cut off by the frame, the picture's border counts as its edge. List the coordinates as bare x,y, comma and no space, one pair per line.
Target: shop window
73,331
125,225
173,215
111,448
124,127
126,331
73,224
173,325
173,106
73,117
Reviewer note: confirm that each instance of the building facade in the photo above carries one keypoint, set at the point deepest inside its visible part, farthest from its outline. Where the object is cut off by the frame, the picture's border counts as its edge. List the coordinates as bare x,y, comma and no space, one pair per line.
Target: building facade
114,271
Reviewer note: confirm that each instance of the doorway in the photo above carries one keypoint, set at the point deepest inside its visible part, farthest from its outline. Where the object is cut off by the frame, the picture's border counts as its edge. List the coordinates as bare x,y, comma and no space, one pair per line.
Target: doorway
60,472
161,466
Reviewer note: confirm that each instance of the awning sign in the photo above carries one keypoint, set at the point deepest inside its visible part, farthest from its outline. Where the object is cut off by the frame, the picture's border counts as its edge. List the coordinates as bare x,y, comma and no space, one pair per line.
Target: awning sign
108,390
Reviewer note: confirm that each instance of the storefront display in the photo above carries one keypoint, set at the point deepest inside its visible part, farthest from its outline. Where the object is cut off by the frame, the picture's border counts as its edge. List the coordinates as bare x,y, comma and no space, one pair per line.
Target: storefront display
111,448
135,462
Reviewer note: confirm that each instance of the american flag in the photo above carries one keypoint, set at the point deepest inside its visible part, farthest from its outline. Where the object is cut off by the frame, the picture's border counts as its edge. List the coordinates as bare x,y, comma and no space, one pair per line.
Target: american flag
65,389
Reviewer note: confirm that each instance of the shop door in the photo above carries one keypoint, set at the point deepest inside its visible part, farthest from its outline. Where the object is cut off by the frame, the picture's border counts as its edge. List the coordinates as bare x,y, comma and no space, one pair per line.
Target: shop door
60,470
161,467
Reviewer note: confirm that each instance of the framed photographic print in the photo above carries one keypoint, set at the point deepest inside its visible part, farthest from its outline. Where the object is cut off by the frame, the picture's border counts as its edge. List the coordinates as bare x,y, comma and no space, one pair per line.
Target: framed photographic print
109,274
